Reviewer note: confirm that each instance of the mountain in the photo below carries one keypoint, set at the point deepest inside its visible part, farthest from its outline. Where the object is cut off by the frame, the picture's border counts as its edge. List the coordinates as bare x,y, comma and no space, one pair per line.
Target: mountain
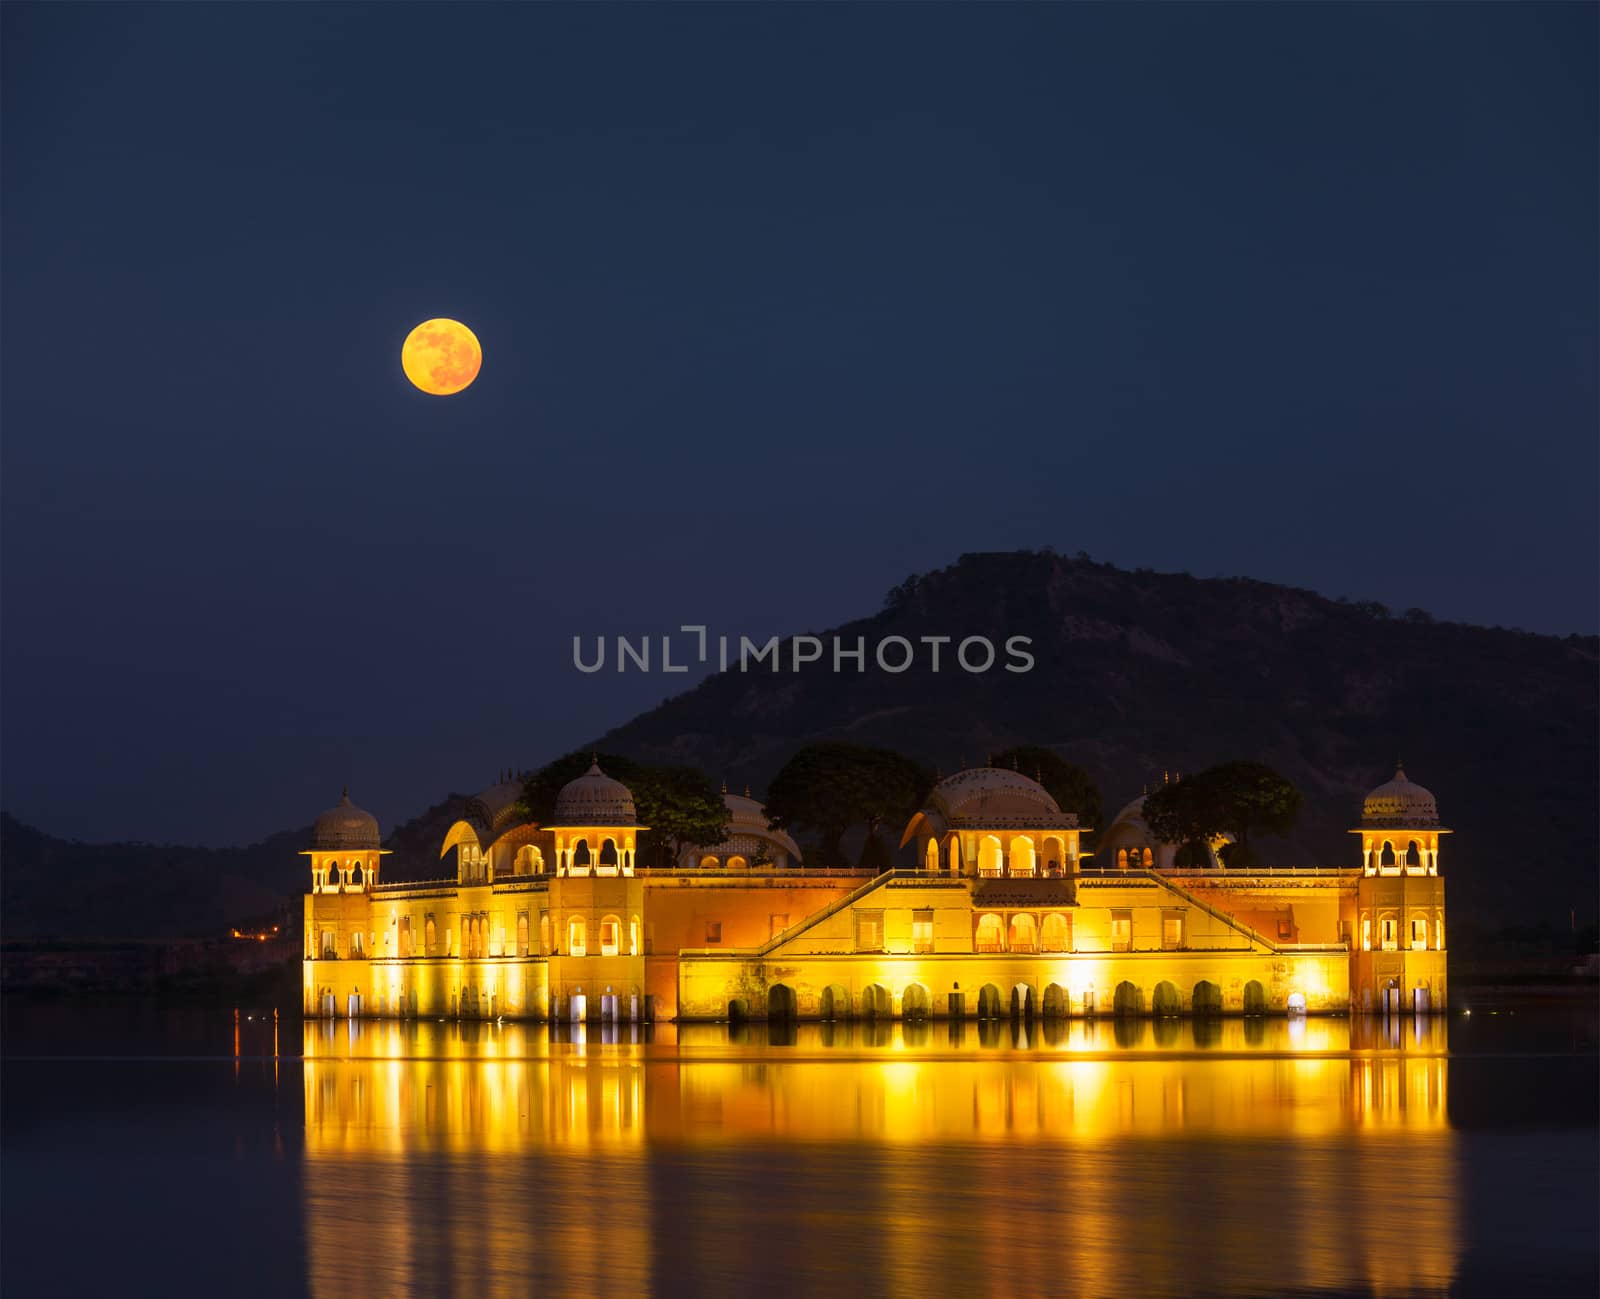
62,888
1134,674
1141,673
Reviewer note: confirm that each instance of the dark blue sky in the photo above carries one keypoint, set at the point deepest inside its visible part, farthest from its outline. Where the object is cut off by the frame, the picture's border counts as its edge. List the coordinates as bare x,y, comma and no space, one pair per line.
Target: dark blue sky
778,305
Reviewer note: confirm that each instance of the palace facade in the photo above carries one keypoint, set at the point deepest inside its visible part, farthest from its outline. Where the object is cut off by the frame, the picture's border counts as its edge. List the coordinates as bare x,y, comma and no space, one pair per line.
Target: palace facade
1003,914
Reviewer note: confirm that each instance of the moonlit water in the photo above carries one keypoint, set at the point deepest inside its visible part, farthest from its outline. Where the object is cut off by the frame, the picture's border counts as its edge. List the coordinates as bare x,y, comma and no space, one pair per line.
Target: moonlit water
1139,1159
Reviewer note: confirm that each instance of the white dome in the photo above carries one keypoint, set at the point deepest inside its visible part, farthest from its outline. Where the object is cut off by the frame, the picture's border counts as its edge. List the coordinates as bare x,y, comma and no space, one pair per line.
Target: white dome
994,796
594,799
1400,802
345,826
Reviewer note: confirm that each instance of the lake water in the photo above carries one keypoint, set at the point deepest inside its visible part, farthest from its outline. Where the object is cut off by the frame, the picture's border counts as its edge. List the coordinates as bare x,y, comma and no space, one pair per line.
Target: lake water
169,1152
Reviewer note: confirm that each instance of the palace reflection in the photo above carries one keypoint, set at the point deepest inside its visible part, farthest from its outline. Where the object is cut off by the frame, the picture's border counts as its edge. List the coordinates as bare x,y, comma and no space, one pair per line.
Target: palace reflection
1137,1158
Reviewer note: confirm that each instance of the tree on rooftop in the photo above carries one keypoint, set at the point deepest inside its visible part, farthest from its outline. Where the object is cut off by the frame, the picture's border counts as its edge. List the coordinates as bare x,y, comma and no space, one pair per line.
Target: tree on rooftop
1238,799
829,788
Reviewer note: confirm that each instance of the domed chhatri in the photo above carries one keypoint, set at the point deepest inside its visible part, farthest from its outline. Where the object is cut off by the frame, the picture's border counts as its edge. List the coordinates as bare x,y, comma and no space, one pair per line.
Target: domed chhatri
992,822
345,827
1400,803
594,798
345,853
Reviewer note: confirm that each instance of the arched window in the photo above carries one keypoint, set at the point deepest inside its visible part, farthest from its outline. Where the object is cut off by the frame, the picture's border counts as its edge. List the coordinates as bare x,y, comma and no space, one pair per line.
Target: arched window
544,933
1122,859
955,855
608,857
633,936
1419,933
610,935
1024,933
1389,943
576,937
1022,859
991,935
522,933
430,933
1055,935
333,876
931,857
1366,933
737,863
708,863
989,857
1149,859
1413,855
356,876
1386,858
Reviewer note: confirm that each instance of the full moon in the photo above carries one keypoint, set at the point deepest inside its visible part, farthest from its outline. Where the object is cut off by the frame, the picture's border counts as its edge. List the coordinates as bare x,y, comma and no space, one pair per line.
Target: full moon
441,356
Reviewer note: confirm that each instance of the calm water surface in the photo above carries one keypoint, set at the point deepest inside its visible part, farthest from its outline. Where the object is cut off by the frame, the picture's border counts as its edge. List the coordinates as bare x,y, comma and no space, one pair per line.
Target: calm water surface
164,1152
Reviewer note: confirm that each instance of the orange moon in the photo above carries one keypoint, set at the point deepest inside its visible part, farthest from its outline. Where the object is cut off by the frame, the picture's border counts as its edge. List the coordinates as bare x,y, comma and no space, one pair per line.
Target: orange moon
441,356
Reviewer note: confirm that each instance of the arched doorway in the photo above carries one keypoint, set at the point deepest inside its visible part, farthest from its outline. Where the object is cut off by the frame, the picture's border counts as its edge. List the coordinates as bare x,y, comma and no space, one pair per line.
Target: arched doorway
1127,1000
1255,998
989,857
988,1002
1166,1001
1207,998
781,1002
875,1002
1024,1006
834,1004
738,1010
1022,858
1297,1003
1056,1004
915,1003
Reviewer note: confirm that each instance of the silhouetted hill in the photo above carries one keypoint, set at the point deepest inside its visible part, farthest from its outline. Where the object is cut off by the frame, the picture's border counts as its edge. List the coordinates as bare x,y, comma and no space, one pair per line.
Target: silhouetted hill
61,888
1139,673
1136,673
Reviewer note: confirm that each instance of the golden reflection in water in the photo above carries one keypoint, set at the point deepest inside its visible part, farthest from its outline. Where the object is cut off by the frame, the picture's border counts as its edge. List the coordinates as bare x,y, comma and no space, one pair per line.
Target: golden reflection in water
1137,1159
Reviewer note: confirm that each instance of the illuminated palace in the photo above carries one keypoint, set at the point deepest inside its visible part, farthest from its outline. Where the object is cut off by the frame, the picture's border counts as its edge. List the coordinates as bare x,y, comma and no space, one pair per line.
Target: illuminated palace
1002,915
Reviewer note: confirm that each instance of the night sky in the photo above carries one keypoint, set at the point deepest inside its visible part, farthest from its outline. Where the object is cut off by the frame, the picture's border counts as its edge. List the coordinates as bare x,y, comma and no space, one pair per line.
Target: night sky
778,305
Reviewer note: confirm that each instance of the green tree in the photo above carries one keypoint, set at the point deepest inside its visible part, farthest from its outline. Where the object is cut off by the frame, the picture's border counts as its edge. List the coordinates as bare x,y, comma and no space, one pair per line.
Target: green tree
1072,787
827,789
681,805
1240,799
